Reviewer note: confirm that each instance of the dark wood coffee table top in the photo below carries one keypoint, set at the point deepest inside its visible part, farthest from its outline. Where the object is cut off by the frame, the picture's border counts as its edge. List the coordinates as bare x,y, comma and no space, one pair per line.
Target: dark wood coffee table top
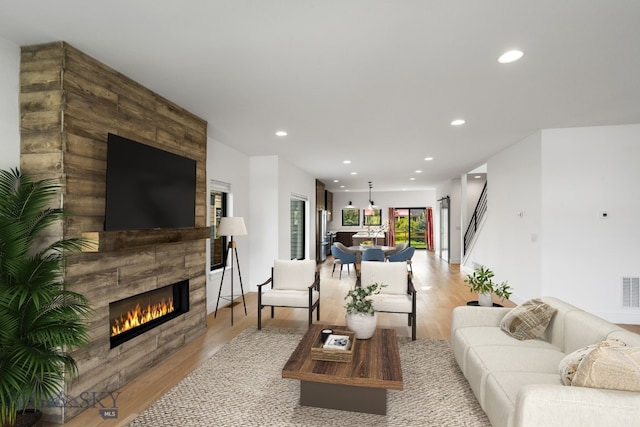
375,363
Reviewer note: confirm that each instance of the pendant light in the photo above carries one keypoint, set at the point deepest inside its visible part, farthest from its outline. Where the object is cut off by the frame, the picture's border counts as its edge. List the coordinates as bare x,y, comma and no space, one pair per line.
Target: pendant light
372,205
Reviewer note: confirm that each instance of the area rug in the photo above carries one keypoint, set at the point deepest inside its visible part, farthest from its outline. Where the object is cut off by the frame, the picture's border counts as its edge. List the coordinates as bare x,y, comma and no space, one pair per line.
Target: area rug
241,385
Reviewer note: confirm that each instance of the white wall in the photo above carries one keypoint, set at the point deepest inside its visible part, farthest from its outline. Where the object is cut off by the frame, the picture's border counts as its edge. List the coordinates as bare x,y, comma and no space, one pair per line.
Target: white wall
9,107
264,206
455,228
231,166
507,243
560,180
293,180
272,181
585,171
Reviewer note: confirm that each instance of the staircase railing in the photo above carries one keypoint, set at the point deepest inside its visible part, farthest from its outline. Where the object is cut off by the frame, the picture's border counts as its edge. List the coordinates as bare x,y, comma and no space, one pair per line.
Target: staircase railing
476,218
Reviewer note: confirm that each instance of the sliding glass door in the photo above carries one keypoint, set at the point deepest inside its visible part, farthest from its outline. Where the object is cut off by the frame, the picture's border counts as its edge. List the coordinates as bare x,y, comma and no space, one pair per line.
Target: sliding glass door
410,226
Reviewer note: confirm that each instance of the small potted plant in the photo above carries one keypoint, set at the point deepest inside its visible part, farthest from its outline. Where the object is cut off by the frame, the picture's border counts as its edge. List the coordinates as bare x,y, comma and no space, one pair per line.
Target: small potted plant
481,281
361,316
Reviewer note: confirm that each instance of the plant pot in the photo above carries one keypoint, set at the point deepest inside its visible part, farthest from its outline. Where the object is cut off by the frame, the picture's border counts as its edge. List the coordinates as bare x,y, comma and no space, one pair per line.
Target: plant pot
29,418
363,324
485,299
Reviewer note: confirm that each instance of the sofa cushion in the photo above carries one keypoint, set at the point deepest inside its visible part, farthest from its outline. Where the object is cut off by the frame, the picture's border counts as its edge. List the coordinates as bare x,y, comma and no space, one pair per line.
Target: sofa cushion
569,364
469,337
502,390
528,320
292,298
613,368
583,329
484,360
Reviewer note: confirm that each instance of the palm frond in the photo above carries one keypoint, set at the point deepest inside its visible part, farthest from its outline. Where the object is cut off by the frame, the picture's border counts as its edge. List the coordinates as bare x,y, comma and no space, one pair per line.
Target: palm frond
42,320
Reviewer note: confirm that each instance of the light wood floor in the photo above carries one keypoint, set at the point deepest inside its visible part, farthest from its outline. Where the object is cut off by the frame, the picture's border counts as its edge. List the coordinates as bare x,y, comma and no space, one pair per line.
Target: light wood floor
440,288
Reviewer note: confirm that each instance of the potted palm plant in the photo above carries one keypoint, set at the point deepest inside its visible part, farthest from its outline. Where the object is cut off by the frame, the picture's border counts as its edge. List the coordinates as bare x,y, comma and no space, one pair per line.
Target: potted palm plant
481,281
42,320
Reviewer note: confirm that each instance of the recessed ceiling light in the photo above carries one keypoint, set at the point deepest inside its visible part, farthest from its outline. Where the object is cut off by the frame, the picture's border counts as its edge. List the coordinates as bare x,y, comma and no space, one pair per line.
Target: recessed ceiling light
342,186
510,56
354,173
418,171
346,162
477,177
428,158
458,122
336,180
412,179
281,133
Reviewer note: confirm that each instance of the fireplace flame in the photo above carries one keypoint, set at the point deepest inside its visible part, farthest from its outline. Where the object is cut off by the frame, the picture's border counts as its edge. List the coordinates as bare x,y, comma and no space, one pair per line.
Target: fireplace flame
139,316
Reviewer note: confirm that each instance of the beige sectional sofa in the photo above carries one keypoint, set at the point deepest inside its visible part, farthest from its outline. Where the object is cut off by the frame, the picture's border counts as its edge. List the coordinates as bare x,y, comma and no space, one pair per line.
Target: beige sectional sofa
518,383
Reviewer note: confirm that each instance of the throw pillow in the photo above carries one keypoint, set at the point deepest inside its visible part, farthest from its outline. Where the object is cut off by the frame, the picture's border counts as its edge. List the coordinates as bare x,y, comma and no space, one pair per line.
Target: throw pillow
528,320
569,364
612,368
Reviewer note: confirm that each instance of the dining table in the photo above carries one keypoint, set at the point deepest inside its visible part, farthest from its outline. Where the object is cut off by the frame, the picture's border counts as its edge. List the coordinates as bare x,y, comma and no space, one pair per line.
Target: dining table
359,250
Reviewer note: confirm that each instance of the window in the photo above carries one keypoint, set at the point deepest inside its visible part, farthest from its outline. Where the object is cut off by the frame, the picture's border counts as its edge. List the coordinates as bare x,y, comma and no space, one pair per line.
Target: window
297,228
350,216
218,206
371,217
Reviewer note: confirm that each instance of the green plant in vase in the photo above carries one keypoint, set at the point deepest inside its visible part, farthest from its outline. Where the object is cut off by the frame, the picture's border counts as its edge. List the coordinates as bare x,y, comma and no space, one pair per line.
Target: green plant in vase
42,320
481,281
361,316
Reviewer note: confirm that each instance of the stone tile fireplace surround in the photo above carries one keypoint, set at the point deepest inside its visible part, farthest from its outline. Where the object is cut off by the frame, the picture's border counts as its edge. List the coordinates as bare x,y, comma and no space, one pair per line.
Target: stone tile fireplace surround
69,102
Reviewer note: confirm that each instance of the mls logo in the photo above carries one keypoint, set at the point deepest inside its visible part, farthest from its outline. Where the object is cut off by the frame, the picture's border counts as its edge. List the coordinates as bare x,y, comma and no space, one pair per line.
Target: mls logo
108,413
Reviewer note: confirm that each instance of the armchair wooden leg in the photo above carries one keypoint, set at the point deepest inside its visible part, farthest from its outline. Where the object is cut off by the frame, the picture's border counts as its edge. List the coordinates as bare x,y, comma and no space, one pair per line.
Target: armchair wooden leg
273,311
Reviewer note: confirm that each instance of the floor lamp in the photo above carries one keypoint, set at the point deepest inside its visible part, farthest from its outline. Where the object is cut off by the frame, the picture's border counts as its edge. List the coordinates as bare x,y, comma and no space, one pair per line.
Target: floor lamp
231,226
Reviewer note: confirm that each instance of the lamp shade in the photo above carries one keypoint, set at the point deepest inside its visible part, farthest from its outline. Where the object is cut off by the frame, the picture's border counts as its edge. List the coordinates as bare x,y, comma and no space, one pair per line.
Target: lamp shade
232,226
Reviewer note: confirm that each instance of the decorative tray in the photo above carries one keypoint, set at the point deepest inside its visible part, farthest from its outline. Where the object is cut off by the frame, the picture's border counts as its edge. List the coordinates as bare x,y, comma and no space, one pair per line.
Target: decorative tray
333,355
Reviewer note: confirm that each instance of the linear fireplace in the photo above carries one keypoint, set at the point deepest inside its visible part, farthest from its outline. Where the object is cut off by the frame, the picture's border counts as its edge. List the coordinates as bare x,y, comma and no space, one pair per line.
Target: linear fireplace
135,315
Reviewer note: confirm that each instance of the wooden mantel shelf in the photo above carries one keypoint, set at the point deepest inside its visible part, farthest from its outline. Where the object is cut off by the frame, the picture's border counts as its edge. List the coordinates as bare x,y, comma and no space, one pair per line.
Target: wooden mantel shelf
105,241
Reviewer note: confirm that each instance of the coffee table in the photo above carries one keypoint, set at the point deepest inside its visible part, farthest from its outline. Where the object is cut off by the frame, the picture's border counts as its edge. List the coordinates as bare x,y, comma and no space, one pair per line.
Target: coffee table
359,385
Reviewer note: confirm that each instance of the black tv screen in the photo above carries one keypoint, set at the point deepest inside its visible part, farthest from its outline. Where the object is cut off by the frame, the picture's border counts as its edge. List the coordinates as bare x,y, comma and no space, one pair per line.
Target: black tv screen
148,188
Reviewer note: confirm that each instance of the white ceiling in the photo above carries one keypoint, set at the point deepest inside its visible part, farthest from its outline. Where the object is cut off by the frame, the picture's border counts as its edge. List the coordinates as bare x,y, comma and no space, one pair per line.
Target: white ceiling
376,82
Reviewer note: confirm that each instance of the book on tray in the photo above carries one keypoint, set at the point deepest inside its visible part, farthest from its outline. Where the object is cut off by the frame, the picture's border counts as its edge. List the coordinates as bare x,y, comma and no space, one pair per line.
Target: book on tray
337,342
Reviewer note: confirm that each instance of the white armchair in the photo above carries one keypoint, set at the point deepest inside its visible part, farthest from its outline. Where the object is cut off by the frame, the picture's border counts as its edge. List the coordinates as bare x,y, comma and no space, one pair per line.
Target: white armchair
398,295
294,283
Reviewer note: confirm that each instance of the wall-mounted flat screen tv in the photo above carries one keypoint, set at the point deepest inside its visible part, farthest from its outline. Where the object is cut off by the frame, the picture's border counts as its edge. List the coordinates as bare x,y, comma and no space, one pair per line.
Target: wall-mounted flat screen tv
148,188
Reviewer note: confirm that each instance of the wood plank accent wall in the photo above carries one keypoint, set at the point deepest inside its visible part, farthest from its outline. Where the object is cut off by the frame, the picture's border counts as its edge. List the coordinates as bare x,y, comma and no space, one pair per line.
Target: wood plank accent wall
69,102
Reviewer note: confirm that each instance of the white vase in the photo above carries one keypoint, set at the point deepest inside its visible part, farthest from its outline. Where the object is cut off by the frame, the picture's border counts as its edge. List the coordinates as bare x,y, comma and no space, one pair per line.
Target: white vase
485,299
363,324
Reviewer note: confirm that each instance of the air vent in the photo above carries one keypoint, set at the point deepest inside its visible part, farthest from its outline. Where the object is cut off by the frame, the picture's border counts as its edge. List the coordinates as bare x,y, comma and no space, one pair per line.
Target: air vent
631,292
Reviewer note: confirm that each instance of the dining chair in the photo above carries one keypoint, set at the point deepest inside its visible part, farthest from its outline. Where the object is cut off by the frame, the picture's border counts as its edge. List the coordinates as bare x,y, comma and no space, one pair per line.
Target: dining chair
343,258
344,248
403,256
373,254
